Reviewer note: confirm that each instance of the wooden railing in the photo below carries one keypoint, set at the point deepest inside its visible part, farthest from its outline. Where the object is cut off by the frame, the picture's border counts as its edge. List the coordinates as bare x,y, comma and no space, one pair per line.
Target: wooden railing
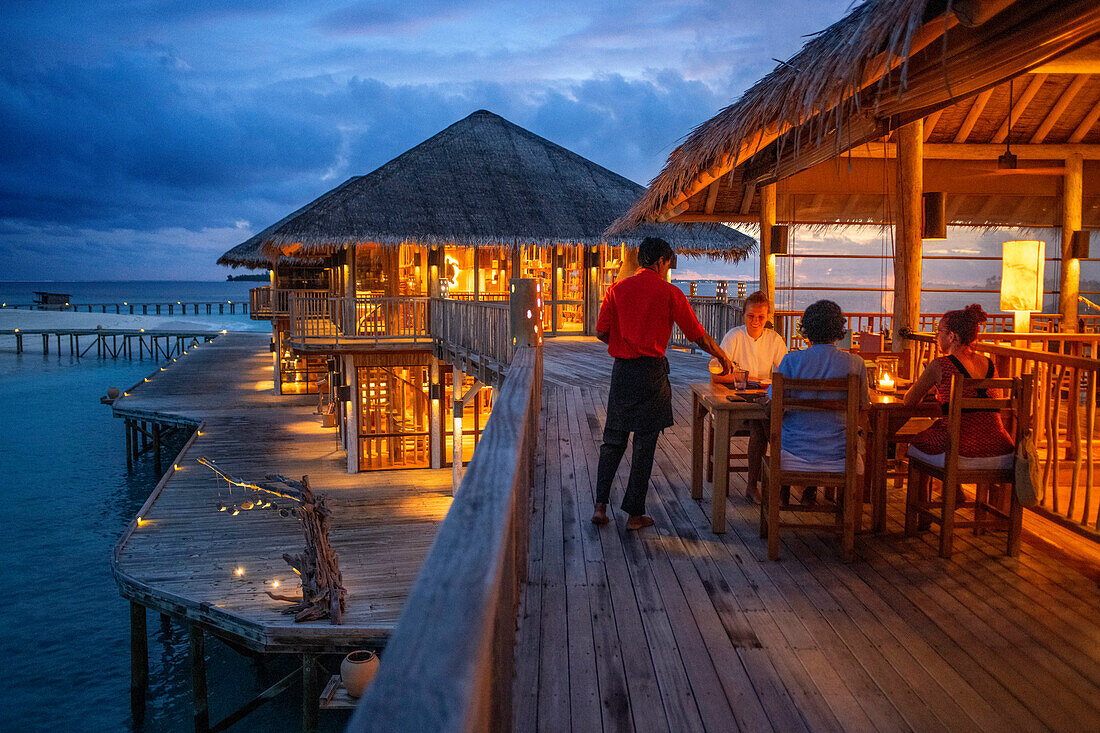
474,326
259,302
716,316
787,324
319,317
1064,414
448,664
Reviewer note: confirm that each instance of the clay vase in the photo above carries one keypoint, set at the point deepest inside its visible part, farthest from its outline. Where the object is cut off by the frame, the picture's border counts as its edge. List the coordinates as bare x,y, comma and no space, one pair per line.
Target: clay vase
357,670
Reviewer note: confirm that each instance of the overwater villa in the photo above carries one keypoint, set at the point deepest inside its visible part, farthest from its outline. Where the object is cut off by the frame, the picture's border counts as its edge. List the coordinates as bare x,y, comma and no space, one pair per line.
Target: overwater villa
455,218
494,601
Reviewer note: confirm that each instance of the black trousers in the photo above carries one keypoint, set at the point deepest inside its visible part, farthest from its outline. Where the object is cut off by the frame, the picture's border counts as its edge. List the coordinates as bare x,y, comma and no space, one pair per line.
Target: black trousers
611,453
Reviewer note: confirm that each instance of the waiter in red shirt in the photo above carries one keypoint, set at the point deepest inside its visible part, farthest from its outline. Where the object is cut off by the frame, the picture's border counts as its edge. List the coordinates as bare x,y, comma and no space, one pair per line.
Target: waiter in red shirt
635,322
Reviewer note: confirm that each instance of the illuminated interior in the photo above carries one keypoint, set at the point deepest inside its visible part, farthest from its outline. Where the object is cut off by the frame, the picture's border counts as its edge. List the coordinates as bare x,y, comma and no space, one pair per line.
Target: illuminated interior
394,421
298,373
474,417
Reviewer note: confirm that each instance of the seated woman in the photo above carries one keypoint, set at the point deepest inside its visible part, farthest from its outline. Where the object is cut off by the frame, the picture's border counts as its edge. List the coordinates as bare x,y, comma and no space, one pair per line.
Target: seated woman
816,441
982,434
758,350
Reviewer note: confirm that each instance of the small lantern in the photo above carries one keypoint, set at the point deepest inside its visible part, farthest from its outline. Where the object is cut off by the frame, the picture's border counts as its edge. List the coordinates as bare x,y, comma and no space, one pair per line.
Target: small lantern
721,290
740,289
693,287
1022,280
343,393
935,216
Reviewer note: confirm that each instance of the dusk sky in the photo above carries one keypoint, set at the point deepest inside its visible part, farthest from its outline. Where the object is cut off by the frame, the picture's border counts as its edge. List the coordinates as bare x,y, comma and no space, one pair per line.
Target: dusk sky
143,139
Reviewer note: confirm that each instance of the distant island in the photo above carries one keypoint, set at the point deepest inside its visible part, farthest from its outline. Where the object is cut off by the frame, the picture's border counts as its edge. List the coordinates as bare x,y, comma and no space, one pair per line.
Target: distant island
262,278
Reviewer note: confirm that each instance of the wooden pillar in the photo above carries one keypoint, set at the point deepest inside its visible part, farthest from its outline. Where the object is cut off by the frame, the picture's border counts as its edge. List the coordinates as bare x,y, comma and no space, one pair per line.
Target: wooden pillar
139,660
129,444
477,273
435,412
767,259
907,238
199,702
351,413
311,704
456,429
156,449
1070,281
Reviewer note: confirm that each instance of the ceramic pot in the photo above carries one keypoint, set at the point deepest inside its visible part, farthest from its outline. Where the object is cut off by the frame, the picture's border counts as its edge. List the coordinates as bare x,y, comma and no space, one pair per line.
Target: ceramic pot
357,670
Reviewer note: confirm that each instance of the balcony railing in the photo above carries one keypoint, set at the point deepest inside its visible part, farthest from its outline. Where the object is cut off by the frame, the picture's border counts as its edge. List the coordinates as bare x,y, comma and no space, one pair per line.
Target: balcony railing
259,303
319,319
716,316
478,327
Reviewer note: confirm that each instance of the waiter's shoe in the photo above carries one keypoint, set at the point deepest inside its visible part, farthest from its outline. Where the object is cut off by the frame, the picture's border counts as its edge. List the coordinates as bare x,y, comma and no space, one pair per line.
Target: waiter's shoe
639,522
599,514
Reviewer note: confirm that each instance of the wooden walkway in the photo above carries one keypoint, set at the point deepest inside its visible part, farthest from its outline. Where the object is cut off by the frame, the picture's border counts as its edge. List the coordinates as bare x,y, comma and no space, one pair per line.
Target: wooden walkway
679,629
182,558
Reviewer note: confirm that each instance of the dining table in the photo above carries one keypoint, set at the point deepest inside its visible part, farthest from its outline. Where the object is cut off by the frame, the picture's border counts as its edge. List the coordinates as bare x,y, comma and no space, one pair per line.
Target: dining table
729,408
888,416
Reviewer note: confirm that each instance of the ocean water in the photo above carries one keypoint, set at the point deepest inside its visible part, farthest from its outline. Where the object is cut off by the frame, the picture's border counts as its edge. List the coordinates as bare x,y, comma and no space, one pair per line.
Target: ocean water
64,646
148,291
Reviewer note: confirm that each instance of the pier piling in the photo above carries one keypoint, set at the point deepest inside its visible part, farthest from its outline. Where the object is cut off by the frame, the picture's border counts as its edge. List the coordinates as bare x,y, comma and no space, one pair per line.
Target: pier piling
139,661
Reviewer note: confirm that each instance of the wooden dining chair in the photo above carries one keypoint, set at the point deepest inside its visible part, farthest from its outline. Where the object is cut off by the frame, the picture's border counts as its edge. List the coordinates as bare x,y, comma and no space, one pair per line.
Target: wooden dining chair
815,395
990,509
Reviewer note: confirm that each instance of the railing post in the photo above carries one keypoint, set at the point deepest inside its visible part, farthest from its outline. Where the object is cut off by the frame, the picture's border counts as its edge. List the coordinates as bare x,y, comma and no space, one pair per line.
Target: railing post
525,328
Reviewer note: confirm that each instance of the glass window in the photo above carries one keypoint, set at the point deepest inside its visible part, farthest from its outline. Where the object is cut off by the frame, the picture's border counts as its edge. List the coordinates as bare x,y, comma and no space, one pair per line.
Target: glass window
393,417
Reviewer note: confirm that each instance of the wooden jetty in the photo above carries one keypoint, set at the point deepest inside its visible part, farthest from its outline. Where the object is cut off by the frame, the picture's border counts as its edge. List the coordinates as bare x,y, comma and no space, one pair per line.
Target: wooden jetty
179,557
683,629
207,307
129,343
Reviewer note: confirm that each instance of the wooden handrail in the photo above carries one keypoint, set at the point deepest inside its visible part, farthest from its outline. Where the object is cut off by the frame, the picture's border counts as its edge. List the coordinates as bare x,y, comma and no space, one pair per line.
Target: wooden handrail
480,327
448,664
1063,404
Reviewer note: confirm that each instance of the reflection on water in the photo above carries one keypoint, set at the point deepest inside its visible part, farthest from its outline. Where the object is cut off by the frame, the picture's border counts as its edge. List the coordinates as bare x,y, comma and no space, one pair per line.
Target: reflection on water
67,497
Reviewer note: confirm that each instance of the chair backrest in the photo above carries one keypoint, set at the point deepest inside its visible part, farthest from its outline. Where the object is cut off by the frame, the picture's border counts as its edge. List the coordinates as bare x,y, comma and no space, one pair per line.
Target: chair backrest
840,395
1013,399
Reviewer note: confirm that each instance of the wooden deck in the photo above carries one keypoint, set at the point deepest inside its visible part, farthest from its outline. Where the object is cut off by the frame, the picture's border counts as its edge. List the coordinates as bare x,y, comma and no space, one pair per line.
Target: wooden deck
183,556
679,629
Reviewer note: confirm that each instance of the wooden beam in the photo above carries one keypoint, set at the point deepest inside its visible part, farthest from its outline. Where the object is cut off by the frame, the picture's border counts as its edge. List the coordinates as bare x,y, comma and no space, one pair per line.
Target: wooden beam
972,116
746,198
930,123
907,239
1018,107
954,206
770,166
1086,125
1070,279
1059,107
712,196
987,151
767,260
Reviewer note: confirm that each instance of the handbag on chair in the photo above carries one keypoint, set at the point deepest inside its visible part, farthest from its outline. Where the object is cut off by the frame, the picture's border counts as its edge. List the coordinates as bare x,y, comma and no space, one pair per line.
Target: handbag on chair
1030,489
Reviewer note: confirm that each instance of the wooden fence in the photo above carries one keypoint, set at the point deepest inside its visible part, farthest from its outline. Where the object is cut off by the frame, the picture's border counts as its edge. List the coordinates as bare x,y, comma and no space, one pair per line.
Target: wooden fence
478,327
1064,414
448,665
716,316
318,316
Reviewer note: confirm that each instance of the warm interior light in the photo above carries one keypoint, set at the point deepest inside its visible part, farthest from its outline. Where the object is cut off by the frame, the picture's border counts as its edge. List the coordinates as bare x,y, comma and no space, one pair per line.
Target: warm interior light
1022,265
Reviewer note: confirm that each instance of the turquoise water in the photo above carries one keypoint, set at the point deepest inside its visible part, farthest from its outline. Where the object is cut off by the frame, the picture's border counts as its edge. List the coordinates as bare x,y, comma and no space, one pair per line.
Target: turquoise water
64,645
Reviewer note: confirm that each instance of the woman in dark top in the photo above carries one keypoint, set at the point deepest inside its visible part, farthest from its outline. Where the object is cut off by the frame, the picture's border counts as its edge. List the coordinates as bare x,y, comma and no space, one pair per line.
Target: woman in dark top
982,434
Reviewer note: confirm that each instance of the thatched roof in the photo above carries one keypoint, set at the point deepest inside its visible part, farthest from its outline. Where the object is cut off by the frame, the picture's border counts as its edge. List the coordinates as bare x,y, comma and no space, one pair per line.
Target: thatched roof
888,62
483,181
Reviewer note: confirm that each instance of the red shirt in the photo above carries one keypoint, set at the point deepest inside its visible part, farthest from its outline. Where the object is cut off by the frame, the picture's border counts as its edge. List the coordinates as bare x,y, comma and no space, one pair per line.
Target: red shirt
639,312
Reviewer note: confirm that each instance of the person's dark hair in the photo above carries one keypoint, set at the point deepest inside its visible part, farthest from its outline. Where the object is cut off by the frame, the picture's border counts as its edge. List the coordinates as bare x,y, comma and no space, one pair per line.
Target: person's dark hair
757,298
653,249
964,323
822,323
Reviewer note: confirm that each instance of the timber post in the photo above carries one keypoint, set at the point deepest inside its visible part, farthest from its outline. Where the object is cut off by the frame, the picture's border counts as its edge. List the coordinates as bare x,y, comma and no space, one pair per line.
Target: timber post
908,243
1069,282
199,701
139,661
767,259
457,378
311,706
525,323
156,449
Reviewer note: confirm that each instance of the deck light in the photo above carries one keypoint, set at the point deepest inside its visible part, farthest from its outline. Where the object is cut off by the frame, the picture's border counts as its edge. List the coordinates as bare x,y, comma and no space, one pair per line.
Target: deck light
1022,265
143,330
274,584
239,572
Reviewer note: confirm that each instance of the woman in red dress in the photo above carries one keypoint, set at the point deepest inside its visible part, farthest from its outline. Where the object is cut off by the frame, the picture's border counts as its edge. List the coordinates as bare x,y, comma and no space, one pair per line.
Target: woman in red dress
982,434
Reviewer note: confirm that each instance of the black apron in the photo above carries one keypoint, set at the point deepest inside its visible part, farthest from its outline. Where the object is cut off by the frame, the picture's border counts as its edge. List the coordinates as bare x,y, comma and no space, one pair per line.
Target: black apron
640,400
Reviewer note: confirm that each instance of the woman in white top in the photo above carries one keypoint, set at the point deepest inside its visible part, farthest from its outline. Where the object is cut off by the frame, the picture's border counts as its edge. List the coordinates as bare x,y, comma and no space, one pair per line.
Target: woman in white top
758,350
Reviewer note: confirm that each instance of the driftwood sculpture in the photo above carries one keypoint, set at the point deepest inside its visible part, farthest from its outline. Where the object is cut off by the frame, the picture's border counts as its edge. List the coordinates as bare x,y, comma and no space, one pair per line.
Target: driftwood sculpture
323,593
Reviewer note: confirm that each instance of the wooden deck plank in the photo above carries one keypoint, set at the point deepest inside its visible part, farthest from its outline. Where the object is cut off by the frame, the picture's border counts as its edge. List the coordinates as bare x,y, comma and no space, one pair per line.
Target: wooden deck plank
809,642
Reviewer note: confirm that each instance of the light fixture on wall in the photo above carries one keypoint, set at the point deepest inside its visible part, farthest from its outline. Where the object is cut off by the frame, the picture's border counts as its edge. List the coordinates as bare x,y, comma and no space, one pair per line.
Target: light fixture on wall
1022,265
935,216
